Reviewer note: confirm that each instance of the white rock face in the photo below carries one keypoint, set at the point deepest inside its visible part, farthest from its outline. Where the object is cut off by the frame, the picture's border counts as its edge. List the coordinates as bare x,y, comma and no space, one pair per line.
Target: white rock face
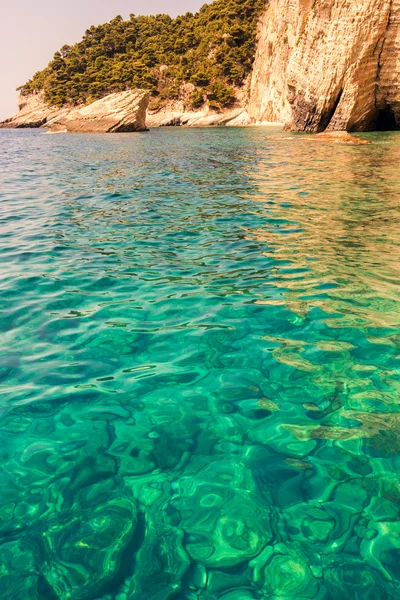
388,92
176,115
33,112
115,113
320,65
121,112
125,111
328,64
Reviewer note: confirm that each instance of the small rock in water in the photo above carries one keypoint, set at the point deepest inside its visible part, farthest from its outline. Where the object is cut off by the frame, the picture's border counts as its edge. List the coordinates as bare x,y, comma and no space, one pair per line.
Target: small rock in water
333,137
338,137
268,404
298,464
310,406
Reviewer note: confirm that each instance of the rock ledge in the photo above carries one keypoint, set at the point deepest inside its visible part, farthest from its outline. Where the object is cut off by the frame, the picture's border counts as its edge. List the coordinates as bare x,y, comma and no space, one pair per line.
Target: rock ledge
119,112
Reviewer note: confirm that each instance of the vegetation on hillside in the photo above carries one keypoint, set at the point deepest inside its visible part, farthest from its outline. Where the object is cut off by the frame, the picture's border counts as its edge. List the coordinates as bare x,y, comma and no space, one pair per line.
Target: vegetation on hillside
212,49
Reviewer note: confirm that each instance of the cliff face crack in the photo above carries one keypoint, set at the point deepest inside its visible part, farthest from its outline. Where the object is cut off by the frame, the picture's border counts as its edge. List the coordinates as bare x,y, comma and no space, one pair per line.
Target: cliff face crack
385,118
382,42
328,116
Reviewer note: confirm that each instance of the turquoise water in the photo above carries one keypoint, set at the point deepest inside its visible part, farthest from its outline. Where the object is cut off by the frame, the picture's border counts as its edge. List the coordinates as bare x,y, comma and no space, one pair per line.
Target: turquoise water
199,364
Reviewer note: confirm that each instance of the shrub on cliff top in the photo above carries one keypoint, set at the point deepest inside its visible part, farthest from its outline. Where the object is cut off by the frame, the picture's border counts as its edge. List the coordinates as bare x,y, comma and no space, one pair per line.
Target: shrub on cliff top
214,49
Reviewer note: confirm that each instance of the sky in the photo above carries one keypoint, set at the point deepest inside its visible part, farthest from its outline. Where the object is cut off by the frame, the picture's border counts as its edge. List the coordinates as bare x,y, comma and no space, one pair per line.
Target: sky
30,33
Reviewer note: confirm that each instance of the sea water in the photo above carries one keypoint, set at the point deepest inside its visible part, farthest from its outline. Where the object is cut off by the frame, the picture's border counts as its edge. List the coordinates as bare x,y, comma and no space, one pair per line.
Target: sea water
199,364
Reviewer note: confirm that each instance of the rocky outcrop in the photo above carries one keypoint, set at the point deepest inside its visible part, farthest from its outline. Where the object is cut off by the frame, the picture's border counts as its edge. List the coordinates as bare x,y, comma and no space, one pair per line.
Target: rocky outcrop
328,137
120,112
338,137
320,65
115,113
125,111
33,112
328,64
176,115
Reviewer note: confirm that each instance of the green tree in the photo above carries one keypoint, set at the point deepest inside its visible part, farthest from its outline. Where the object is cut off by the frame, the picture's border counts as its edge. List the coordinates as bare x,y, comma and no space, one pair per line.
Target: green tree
213,49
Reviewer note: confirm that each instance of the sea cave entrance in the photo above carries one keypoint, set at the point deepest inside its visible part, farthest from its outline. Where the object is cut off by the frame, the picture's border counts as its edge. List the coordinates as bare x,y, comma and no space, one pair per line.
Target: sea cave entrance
385,120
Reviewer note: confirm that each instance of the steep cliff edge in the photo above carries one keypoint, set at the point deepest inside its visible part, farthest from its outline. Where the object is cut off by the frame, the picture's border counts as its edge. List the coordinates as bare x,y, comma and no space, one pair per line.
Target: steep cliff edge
120,112
328,64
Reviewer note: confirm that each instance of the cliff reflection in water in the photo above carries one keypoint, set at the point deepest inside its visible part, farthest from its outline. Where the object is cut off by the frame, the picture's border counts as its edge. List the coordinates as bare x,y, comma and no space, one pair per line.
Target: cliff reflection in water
334,233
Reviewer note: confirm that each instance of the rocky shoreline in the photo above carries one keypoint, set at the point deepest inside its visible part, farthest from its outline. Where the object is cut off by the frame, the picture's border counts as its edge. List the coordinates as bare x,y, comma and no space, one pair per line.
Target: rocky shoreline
333,66
177,116
120,112
128,112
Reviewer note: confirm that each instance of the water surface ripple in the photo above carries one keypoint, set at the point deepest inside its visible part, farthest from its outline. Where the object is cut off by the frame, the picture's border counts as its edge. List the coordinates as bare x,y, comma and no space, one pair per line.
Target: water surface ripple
199,367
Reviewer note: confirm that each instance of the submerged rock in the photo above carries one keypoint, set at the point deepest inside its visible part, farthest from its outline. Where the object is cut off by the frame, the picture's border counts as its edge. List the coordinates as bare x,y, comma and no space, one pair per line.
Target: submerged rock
83,555
338,137
328,137
268,404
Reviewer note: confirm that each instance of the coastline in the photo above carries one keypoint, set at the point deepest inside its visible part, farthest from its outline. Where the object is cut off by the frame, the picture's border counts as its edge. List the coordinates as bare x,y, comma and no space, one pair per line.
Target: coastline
113,113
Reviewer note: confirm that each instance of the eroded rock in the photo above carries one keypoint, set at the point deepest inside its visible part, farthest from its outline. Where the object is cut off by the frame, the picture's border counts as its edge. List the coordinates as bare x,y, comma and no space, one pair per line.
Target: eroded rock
176,115
328,64
33,112
119,112
116,113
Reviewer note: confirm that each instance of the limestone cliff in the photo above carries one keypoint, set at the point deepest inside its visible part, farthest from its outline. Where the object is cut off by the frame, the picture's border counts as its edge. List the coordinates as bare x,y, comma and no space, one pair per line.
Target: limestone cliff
320,65
33,112
177,111
125,111
120,112
176,114
115,113
328,64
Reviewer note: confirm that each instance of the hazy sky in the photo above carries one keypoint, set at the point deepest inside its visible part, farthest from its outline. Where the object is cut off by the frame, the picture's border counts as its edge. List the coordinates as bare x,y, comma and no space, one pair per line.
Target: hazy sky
30,32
